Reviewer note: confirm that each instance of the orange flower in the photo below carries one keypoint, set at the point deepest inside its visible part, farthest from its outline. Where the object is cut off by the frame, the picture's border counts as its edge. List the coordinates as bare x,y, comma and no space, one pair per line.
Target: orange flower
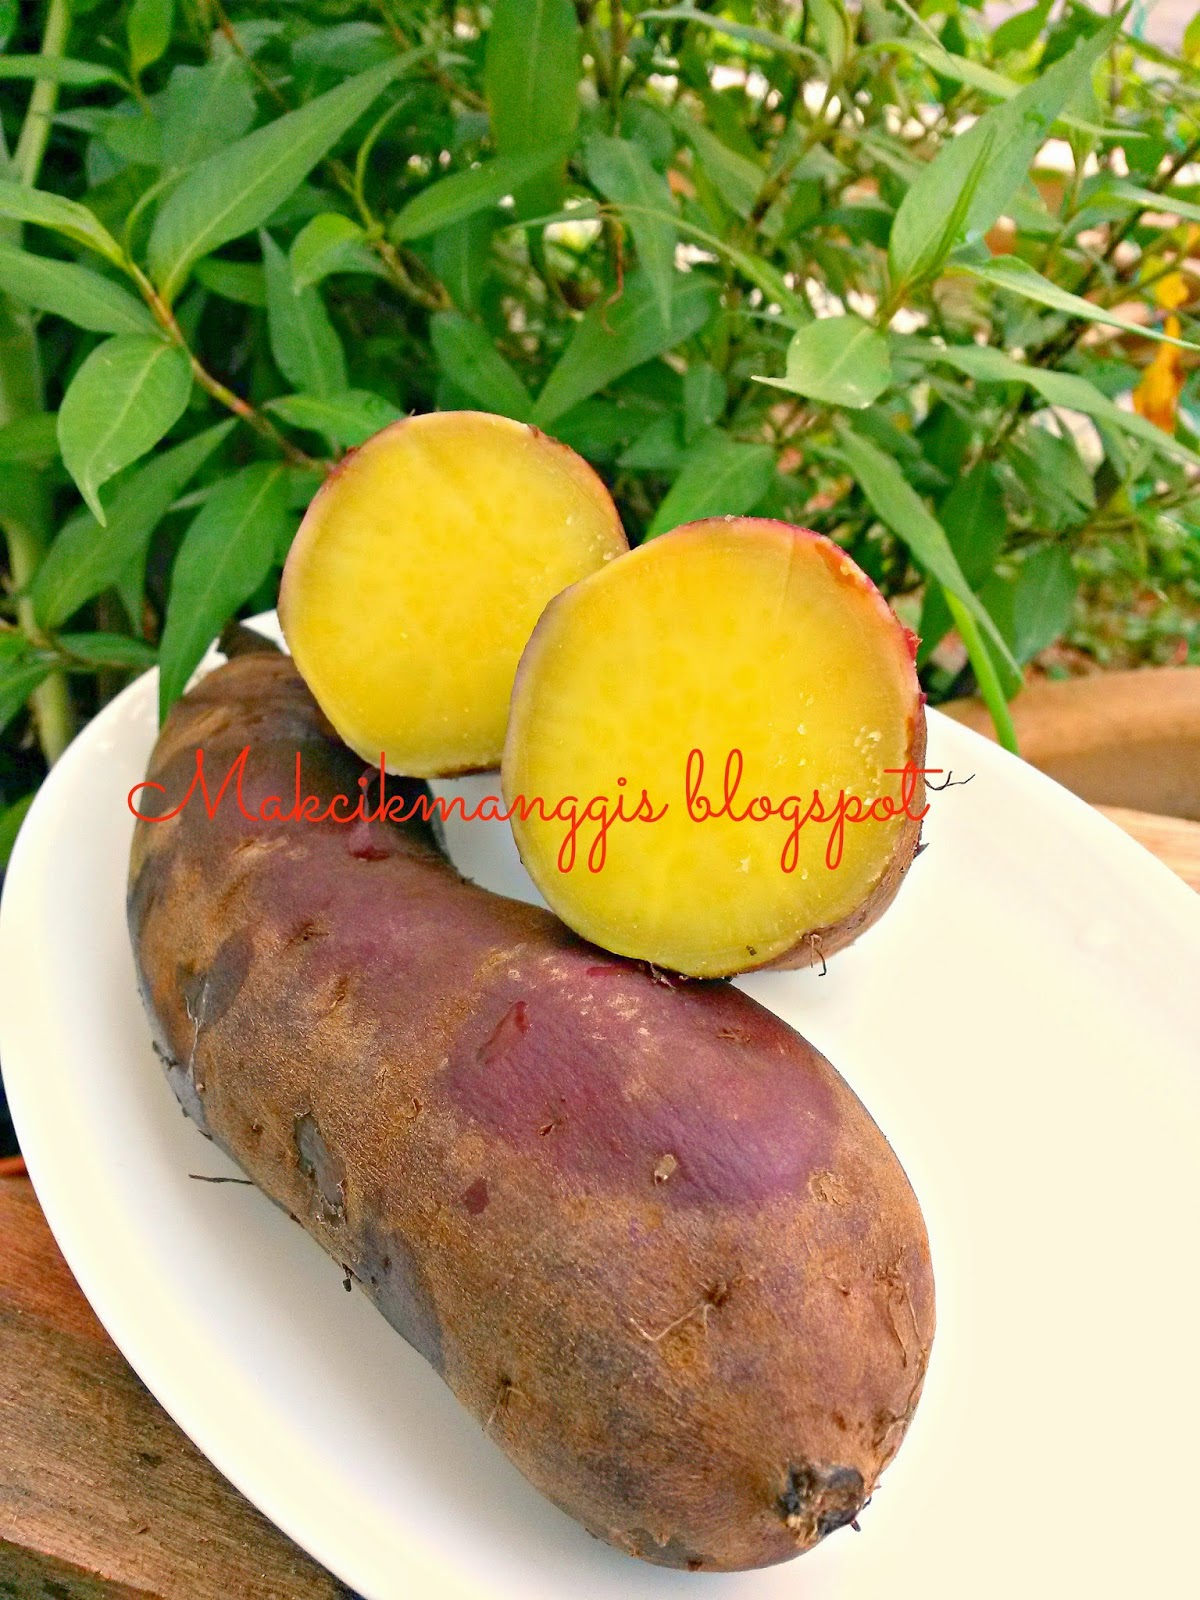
1157,396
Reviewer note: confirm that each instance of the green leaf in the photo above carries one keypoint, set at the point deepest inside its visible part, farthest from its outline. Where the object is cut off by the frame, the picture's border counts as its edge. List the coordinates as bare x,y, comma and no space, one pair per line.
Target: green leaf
1044,600
107,650
77,293
148,26
733,30
124,397
897,504
469,358
828,19
1066,389
31,438
304,343
736,179
243,282
1018,277
976,524
840,361
1012,133
720,476
531,79
1019,32
58,69
235,190
349,418
462,194
961,69
622,172
85,559
657,448
11,819
1145,199
704,398
1059,485
18,680
64,216
916,252
462,259
225,555
344,47
204,109
327,243
612,339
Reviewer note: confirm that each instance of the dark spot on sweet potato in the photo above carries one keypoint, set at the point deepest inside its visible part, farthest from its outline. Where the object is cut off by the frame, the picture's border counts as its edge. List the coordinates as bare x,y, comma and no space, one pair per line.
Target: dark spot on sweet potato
512,1025
339,994
818,1500
392,1277
307,930
674,1552
318,1162
475,1197
143,892
371,852
225,977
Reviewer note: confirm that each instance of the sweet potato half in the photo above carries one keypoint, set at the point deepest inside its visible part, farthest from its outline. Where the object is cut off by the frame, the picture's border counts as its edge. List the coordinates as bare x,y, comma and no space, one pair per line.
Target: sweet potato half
645,1232
419,571
743,694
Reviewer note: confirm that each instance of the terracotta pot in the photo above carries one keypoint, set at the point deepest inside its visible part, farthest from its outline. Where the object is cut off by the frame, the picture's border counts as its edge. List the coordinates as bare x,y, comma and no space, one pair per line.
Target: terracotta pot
1120,739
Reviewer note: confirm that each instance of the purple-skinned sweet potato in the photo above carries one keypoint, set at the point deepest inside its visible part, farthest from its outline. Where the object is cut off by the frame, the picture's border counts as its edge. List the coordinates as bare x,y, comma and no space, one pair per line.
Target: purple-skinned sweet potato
644,1231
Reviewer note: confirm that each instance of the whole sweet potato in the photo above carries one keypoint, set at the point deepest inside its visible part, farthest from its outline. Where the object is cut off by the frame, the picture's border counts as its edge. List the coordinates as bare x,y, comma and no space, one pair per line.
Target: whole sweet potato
644,1231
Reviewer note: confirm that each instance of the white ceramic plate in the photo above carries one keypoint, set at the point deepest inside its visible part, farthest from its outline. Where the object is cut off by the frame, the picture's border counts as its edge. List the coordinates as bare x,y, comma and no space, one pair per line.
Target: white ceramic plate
1024,1025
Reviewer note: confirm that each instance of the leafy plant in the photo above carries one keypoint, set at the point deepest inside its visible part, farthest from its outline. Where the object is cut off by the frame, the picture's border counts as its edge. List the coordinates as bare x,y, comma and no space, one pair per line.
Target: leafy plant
880,271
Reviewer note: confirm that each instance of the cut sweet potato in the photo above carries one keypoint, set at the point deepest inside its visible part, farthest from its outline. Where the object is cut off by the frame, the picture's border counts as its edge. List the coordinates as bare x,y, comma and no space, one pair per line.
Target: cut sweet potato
737,648
418,574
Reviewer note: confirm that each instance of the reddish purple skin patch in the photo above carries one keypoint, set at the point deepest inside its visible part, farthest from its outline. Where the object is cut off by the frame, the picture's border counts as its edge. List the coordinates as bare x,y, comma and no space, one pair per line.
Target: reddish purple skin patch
744,1121
475,1198
744,1105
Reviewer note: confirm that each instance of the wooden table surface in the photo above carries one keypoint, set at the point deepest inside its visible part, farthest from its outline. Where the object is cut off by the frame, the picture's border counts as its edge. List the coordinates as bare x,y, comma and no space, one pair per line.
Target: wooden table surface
101,1496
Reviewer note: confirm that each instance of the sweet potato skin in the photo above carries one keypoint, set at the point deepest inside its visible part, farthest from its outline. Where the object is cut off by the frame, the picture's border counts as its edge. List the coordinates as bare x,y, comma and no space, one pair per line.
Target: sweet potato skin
647,1235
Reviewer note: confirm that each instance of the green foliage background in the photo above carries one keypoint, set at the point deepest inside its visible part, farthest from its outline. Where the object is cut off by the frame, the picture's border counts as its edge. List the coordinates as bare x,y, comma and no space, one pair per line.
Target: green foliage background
734,254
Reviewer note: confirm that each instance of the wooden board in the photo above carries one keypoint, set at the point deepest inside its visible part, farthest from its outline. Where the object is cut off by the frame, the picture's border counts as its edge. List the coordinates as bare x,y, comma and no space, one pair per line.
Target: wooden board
100,1492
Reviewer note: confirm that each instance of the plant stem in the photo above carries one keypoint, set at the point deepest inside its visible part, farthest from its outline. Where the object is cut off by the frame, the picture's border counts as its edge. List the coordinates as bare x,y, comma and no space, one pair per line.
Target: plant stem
985,672
213,386
35,130
617,41
25,530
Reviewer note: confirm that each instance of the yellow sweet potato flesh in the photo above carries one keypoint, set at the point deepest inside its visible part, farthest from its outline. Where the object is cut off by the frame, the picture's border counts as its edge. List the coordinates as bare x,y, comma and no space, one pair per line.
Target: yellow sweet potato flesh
725,636
419,572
